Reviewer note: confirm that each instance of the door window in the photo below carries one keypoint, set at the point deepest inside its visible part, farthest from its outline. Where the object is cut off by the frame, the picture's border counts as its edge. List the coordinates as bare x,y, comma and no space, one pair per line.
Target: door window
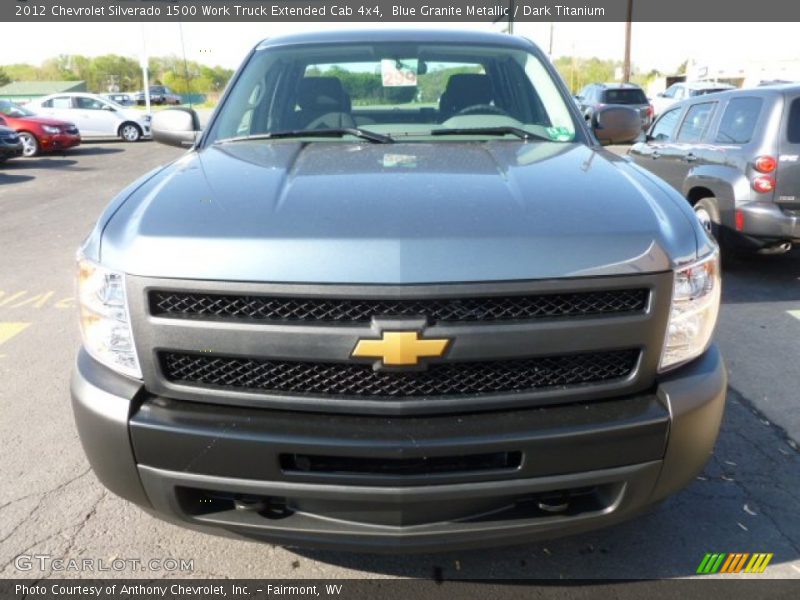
665,126
695,122
59,102
739,120
794,122
89,103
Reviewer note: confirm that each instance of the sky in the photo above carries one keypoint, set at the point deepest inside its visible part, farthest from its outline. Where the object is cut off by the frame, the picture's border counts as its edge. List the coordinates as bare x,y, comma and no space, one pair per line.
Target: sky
662,46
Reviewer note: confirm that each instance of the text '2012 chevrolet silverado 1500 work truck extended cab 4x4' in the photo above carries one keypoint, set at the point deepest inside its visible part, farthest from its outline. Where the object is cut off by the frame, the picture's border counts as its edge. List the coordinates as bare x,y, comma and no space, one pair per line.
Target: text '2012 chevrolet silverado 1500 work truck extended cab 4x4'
397,297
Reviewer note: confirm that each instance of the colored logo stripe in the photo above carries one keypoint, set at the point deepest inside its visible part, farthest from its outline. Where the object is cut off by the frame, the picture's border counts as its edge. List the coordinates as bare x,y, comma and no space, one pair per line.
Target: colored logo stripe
758,563
723,562
710,563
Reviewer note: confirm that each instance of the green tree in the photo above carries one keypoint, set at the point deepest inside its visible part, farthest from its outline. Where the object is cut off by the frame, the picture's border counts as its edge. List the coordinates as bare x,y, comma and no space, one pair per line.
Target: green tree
22,72
106,72
4,78
578,72
112,71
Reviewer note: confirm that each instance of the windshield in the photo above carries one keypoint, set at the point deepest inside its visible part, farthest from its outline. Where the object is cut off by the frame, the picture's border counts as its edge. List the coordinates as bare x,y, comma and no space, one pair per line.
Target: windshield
625,96
404,91
10,109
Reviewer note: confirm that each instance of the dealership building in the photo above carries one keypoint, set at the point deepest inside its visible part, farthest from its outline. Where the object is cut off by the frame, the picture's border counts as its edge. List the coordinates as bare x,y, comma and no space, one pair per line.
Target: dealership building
25,91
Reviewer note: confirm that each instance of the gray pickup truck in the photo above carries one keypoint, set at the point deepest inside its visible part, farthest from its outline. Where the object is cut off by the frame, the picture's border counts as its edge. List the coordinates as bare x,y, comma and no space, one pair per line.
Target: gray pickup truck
397,297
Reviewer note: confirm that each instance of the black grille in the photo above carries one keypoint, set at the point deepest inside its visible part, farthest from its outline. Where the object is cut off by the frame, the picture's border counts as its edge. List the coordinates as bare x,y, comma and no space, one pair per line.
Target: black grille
420,465
342,310
352,379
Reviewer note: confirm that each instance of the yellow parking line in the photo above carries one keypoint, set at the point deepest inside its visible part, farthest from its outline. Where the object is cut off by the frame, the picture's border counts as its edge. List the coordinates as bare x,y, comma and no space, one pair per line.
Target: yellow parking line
794,313
9,330
25,299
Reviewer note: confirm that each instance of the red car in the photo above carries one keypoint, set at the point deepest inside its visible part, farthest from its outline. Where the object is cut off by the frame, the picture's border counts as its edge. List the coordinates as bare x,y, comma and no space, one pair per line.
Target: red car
38,134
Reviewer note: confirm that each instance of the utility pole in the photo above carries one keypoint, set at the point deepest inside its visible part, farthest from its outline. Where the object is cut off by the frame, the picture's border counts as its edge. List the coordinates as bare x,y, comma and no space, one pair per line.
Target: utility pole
144,63
626,68
550,49
511,8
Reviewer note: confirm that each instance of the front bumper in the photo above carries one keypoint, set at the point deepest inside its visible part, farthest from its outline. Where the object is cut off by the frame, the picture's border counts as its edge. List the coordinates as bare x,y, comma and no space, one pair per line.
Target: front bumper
59,141
10,150
194,463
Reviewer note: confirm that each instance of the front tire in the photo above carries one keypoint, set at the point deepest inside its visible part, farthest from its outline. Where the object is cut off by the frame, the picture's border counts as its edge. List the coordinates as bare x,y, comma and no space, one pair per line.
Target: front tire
30,145
130,132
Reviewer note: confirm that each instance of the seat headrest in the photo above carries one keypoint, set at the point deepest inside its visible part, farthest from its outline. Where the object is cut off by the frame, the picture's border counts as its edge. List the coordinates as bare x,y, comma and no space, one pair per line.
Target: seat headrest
465,89
322,93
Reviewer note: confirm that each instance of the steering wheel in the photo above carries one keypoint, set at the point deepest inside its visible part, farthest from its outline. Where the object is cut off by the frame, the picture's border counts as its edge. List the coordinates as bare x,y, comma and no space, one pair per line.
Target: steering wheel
482,109
333,120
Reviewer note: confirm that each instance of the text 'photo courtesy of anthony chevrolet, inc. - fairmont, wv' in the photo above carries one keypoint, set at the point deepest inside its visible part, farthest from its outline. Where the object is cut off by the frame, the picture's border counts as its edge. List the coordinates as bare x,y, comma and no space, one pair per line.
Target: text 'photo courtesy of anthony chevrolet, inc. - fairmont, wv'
420,299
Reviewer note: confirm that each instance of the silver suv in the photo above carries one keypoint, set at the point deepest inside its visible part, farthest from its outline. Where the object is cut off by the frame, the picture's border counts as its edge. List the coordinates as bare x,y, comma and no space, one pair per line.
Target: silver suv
735,156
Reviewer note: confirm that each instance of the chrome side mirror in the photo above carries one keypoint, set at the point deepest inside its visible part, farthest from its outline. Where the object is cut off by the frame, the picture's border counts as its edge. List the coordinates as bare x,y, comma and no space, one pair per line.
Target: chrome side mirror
176,127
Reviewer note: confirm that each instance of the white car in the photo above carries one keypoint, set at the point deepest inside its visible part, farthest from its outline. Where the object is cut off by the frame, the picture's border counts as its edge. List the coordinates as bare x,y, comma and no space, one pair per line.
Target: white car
687,89
94,115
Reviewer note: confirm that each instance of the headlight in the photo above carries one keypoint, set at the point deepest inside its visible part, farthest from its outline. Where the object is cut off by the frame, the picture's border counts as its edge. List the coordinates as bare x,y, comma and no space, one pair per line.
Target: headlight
50,130
105,325
693,315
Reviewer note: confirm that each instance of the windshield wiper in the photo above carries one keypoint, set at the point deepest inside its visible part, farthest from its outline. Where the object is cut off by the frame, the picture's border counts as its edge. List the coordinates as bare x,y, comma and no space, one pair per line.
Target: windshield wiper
371,136
502,130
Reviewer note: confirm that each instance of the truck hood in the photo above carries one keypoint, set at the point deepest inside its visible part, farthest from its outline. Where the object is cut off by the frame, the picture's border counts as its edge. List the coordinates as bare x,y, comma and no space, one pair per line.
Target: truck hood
336,212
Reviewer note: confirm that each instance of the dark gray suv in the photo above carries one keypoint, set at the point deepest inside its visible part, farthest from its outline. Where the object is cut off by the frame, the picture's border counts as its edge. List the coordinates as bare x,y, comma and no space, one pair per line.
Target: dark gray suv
598,95
735,156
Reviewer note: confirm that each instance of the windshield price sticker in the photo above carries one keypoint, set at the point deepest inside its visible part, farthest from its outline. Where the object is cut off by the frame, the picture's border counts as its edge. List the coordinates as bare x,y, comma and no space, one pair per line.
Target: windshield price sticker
398,73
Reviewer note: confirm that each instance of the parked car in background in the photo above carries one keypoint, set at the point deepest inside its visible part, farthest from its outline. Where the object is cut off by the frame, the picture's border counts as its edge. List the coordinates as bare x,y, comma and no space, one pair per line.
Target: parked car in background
598,95
94,115
38,134
121,99
10,144
684,90
159,94
735,157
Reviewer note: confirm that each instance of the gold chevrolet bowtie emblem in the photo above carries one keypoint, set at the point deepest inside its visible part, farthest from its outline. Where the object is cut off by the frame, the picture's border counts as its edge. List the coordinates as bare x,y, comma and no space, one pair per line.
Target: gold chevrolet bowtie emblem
400,348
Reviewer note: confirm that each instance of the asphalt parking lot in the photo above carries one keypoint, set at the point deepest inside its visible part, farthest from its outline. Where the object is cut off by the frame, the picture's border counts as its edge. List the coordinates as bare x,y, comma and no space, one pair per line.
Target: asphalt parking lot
747,500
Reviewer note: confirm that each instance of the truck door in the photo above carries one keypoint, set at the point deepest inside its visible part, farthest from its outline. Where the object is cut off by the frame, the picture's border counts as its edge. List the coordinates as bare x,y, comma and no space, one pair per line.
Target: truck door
656,154
688,150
